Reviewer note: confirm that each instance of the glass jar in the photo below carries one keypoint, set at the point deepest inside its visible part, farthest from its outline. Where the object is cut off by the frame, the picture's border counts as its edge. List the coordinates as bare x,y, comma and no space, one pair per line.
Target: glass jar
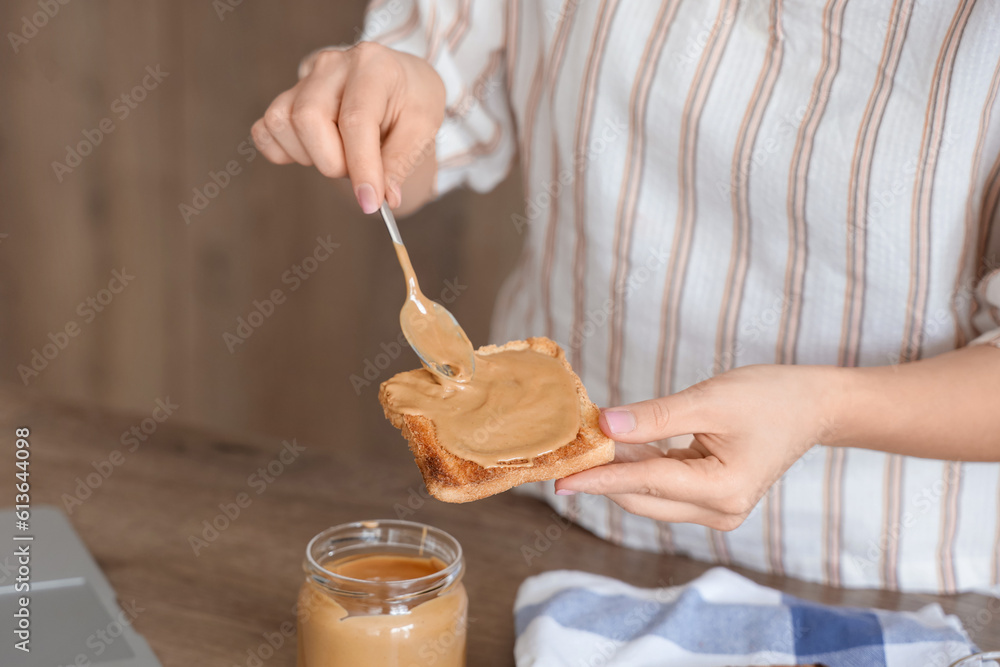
386,593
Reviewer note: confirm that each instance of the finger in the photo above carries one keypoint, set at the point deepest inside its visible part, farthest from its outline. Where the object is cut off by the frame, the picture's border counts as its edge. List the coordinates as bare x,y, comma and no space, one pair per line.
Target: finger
628,453
316,58
362,111
407,146
278,121
691,481
683,453
314,113
672,511
655,419
266,144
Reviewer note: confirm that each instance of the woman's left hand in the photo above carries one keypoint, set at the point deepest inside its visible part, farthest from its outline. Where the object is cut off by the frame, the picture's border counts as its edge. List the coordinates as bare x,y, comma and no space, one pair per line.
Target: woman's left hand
749,425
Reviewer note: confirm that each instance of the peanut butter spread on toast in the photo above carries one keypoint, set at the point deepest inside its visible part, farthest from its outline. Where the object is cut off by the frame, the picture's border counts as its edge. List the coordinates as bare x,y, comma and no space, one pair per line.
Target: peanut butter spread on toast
519,405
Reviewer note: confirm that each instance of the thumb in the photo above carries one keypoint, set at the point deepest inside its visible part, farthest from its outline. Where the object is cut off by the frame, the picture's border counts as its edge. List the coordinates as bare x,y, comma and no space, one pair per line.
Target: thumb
654,419
409,144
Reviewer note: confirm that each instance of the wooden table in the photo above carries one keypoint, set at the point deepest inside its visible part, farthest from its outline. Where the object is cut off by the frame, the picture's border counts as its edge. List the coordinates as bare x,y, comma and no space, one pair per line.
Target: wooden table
219,606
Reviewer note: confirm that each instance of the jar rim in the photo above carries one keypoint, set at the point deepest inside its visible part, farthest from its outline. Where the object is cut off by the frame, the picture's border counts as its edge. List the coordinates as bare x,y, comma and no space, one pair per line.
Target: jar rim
446,574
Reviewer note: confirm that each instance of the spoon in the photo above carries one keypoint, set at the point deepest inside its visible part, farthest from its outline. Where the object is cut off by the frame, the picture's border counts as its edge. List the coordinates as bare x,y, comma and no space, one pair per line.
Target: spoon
433,332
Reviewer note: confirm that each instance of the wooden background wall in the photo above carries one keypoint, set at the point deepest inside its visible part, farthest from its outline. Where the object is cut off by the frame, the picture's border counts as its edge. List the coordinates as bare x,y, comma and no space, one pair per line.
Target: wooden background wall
162,336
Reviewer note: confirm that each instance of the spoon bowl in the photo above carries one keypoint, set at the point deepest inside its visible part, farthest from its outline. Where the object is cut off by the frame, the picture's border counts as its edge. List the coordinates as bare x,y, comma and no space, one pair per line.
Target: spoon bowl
430,329
418,329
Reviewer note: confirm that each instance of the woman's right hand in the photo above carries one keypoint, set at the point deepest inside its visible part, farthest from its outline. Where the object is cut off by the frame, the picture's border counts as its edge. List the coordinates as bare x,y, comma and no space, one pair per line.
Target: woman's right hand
369,113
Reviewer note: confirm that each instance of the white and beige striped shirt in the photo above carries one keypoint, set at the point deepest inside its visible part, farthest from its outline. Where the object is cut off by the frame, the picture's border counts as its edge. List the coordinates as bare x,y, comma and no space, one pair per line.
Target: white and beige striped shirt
720,183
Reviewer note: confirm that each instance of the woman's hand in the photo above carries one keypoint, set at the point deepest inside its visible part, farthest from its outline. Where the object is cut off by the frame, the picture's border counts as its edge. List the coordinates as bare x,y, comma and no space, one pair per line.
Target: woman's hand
749,426
370,113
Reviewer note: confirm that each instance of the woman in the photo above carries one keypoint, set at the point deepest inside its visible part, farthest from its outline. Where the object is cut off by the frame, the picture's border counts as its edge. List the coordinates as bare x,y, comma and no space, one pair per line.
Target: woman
771,224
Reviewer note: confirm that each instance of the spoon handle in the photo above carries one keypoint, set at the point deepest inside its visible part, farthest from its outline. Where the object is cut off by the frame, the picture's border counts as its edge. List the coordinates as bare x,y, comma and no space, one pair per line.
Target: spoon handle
390,222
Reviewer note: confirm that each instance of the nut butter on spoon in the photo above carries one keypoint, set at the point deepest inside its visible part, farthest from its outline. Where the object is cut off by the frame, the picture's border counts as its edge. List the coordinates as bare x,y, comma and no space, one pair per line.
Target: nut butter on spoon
433,332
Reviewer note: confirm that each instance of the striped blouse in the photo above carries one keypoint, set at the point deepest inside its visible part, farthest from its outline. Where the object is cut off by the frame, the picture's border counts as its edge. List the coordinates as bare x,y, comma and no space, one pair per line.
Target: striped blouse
710,184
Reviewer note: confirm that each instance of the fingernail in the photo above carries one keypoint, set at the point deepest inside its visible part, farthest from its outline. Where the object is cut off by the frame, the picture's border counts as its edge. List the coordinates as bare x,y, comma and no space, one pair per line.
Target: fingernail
366,197
565,492
620,421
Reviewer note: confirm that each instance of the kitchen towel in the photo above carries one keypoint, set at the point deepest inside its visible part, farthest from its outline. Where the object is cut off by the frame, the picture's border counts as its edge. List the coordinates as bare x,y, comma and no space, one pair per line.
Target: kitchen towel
576,619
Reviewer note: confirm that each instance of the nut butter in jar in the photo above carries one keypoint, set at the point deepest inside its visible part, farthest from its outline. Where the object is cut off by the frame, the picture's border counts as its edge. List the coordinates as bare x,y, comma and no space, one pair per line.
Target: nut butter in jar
386,593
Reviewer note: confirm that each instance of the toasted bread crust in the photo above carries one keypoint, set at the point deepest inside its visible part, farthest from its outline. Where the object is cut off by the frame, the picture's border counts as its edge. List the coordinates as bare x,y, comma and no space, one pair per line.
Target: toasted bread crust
457,480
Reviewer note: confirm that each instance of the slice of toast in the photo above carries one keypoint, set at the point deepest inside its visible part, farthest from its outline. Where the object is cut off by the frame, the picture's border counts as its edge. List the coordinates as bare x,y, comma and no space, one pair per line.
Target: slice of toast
457,480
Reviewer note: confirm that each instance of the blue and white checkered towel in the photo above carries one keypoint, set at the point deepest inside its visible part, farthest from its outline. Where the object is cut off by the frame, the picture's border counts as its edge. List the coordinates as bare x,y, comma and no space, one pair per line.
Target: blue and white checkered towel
576,619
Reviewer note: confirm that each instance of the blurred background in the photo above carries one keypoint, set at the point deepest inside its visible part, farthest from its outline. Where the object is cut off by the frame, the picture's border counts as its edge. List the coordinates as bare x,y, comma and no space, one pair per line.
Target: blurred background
139,225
